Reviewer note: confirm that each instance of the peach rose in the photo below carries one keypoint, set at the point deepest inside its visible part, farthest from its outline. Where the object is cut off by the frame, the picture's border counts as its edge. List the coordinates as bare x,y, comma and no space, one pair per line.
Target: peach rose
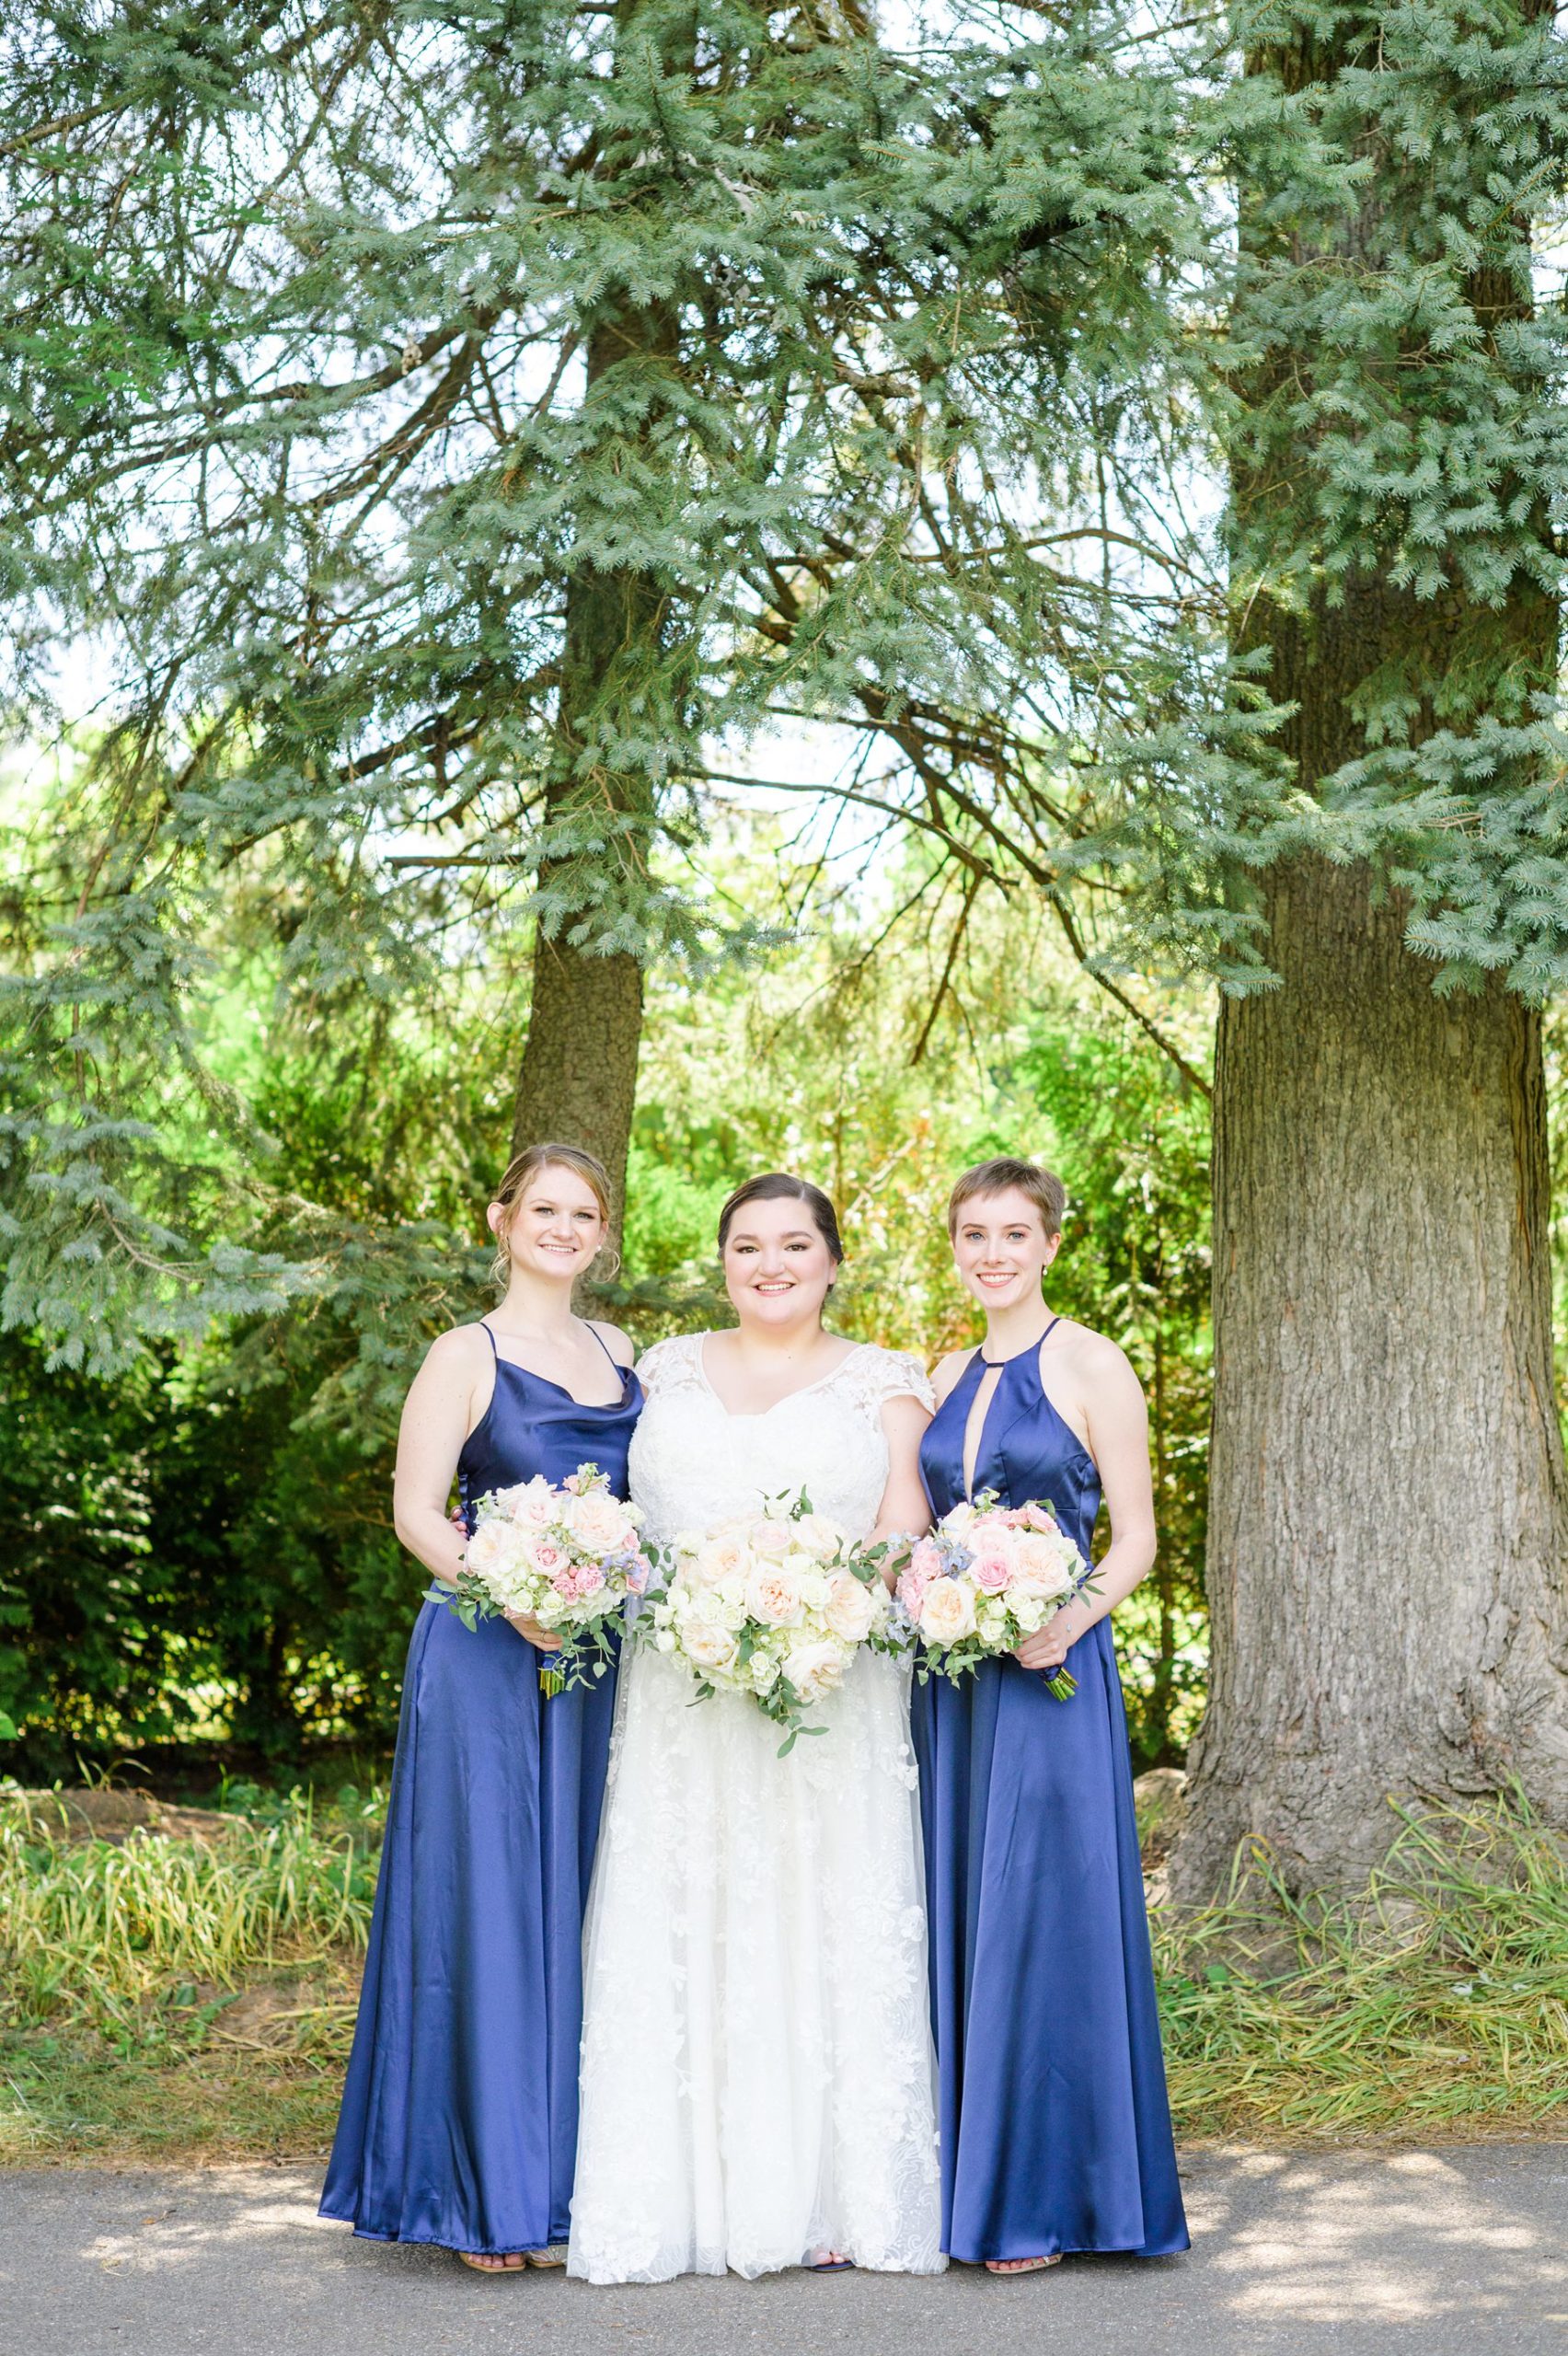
851,1610
947,1612
719,1557
771,1539
773,1596
817,1535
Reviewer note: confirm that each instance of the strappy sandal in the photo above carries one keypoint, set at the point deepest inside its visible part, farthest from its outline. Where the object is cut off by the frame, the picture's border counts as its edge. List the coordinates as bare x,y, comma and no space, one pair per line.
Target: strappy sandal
1008,2266
486,2263
830,2263
548,2259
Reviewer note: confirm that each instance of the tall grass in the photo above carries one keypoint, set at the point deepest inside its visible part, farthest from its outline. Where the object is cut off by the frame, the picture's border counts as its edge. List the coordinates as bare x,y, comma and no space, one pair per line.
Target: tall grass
166,1998
1434,2000
105,1936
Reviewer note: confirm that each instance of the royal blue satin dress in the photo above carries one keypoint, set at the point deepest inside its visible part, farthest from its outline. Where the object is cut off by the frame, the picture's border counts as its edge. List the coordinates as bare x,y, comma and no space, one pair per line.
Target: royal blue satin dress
459,2117
1055,2132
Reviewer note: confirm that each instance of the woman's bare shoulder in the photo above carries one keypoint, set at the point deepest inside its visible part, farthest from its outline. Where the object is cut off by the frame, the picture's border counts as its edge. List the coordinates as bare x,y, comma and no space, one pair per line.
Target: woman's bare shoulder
946,1373
621,1347
1088,1356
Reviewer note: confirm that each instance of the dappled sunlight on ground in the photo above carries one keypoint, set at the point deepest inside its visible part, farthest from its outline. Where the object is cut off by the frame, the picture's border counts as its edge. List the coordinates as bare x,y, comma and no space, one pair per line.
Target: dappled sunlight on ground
1456,2252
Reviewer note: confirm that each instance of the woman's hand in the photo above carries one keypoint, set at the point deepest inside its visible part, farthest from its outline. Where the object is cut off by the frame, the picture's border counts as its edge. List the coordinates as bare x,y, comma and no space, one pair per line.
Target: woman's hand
538,1636
1047,1648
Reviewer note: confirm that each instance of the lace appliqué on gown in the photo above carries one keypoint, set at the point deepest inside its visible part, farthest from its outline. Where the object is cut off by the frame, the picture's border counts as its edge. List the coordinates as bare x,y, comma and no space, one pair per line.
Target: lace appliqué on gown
756,2052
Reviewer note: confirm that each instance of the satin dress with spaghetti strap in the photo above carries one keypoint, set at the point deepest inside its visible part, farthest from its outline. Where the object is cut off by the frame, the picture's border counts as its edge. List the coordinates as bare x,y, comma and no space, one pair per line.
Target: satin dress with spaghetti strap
1055,2130
459,2115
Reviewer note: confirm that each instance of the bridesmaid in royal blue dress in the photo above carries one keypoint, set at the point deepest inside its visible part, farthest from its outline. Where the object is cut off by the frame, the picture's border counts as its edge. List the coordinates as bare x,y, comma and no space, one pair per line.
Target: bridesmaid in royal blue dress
459,2117
1056,2132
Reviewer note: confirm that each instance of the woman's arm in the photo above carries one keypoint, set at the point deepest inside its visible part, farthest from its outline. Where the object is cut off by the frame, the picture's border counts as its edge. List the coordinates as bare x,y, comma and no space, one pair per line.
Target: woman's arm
906,1510
1118,1441
437,1417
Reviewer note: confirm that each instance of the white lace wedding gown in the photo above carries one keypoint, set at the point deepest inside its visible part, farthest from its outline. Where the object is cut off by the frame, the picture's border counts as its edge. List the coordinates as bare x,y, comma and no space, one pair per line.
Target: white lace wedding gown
756,2051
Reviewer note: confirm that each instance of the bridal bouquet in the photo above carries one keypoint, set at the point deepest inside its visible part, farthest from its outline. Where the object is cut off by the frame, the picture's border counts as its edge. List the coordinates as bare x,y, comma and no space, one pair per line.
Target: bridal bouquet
774,1606
988,1576
566,1557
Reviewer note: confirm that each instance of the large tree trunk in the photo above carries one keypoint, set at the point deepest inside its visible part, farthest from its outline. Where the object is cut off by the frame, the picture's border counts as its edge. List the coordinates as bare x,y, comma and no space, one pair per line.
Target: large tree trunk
1385,1526
1386,1563
578,1081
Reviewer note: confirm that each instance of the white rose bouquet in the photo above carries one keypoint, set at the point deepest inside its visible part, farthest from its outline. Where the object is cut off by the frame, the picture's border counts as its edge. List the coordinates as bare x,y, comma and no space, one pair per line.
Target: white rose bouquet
988,1576
566,1556
774,1606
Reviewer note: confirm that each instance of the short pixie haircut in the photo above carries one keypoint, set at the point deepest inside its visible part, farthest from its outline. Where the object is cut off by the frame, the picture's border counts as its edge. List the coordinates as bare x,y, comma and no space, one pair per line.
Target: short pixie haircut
1043,1188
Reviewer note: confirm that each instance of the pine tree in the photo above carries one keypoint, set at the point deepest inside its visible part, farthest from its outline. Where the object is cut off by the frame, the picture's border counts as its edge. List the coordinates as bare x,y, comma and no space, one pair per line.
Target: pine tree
1387,1555
452,426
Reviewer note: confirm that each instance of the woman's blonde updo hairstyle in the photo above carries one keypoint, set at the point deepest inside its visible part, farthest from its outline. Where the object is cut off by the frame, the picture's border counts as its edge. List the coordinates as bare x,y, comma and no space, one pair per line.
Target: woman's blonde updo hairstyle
520,1174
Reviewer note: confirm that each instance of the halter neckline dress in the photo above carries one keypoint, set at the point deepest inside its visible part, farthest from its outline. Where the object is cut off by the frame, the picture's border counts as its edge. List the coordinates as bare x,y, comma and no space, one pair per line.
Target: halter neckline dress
1055,2127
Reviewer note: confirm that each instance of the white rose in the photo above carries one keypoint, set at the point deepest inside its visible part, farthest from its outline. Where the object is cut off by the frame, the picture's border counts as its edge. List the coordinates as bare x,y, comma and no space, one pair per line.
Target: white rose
664,1641
1030,1612
763,1671
851,1610
726,1603
709,1648
818,1536
946,1612
599,1523
814,1669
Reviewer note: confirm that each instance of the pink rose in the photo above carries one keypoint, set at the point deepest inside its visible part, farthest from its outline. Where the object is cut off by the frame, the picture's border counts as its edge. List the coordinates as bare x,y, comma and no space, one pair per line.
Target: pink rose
548,1558
912,1590
926,1559
991,1571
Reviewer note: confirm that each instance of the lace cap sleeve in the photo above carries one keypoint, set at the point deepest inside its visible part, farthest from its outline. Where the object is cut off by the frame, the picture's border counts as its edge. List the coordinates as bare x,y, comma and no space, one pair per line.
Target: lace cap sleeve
893,1374
669,1363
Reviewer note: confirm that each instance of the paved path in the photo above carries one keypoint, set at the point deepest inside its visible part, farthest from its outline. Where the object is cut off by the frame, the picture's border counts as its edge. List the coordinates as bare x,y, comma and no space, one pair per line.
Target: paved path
1450,2253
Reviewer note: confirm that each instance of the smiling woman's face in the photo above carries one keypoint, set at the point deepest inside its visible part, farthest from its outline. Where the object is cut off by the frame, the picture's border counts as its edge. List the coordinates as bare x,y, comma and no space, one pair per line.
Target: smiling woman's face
1001,1248
556,1227
777,1265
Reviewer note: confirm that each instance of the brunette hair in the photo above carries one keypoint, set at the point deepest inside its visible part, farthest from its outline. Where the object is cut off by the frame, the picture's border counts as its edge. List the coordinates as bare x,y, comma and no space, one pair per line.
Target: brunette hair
779,1186
1043,1188
519,1174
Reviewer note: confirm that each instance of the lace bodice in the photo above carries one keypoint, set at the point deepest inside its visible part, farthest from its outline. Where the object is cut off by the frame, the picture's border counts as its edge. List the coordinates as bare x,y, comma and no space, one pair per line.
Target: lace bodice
693,1464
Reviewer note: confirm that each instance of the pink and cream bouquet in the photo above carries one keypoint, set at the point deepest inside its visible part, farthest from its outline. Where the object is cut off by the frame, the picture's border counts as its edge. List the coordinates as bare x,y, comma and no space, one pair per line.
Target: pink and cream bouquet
773,1606
985,1578
567,1555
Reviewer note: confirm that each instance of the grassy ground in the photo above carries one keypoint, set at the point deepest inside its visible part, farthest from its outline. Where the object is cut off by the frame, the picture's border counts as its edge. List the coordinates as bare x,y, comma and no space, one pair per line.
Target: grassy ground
181,1987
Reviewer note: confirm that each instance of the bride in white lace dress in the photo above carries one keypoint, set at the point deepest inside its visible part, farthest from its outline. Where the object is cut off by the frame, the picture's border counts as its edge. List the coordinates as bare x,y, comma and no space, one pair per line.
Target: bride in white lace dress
756,2052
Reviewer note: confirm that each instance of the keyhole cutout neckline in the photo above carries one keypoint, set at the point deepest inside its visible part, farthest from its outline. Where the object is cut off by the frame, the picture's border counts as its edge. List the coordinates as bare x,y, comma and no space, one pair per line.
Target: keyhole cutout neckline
984,1399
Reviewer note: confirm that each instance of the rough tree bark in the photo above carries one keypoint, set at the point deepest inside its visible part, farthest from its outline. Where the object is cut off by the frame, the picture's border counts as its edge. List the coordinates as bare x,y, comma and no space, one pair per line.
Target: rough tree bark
578,1081
1386,1518
1387,1531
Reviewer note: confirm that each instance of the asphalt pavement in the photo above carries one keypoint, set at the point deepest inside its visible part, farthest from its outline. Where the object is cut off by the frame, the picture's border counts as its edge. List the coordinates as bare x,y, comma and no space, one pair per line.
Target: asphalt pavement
1452,2252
